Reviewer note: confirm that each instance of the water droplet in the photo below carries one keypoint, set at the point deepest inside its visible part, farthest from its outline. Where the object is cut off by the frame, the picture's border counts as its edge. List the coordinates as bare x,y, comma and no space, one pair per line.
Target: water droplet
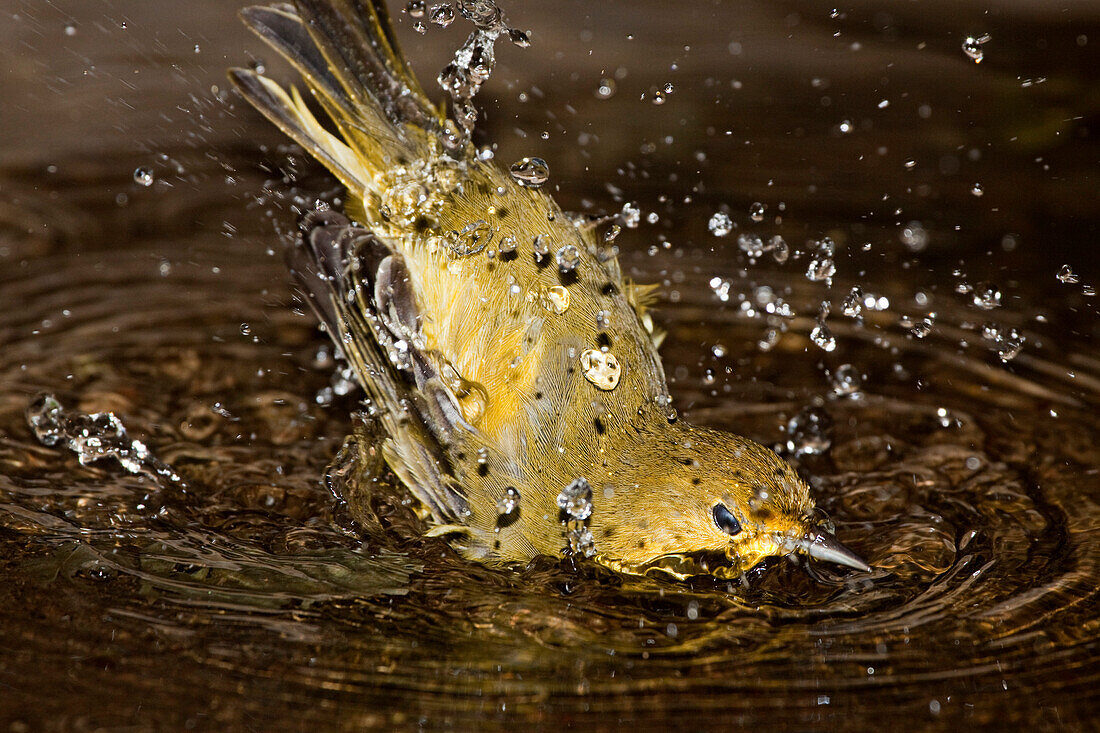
922,328
246,329
603,319
601,368
751,245
780,250
986,296
972,47
769,339
721,288
519,38
718,350
606,88
612,233
442,15
507,244
846,381
821,269
581,541
823,337
810,431
509,503
576,500
541,246
557,299
143,176
720,224
977,189
567,257
1067,275
914,236
415,8
70,30
1006,341
94,437
530,172
756,212
631,215
471,239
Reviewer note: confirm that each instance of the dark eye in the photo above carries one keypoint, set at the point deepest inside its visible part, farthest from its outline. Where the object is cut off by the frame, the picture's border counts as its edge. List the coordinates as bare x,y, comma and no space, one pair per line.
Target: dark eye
725,520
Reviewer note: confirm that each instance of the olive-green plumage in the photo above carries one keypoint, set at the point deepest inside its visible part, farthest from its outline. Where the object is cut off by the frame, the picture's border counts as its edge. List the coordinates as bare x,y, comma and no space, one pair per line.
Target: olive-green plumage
511,367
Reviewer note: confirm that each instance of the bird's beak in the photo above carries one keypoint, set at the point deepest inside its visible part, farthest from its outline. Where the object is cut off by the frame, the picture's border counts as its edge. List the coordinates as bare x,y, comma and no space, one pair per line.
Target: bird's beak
824,546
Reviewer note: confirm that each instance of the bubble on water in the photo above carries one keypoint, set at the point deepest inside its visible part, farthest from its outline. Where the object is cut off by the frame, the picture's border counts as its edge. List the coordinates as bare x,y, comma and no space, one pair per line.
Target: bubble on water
756,211
977,189
557,299
471,239
509,503
780,249
631,215
914,236
606,88
810,431
751,245
986,296
972,47
143,176
720,224
567,257
575,500
95,437
853,303
530,172
1067,275
601,368
846,381
442,15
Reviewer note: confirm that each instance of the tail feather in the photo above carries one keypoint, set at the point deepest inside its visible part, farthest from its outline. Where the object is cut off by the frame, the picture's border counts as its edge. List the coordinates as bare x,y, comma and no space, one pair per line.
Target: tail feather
291,115
362,51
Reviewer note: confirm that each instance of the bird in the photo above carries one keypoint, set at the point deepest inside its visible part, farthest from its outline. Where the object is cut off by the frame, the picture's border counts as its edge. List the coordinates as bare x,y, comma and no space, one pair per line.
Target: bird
511,370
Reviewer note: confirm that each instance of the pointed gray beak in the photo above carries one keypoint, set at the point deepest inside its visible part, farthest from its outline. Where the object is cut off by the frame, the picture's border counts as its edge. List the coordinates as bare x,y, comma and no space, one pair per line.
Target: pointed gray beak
824,546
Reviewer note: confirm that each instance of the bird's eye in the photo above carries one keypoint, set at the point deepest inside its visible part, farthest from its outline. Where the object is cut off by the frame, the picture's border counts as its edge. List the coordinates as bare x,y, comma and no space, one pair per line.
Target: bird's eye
725,520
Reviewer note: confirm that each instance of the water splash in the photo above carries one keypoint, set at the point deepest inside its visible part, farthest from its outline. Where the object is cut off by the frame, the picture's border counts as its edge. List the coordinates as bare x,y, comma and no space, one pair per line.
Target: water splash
95,437
473,62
